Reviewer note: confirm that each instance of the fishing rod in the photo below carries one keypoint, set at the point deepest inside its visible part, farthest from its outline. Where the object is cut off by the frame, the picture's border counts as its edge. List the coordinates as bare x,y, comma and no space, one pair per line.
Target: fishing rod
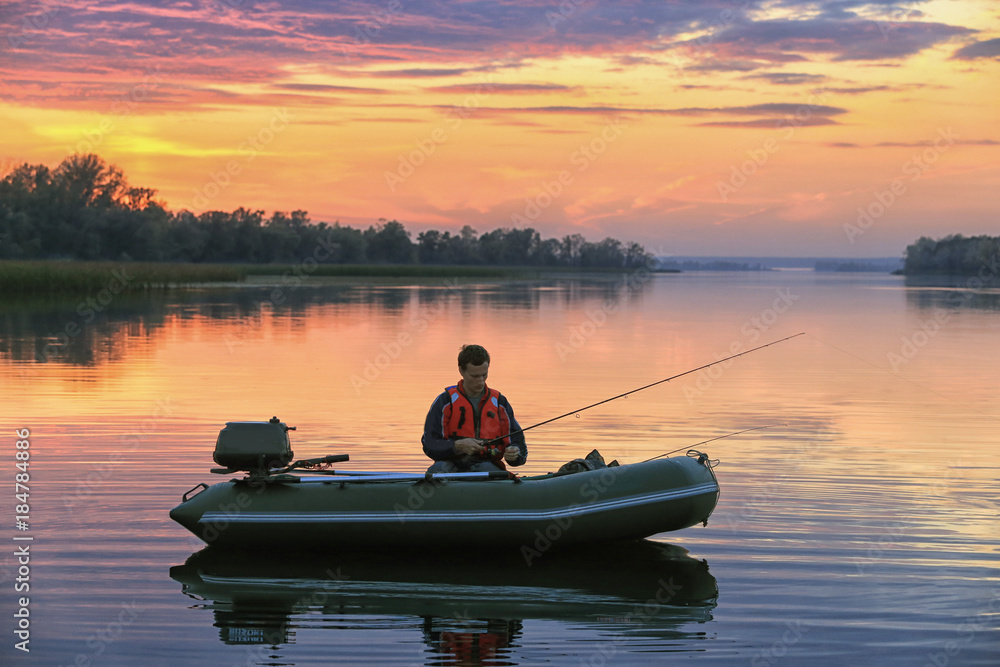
703,442
489,443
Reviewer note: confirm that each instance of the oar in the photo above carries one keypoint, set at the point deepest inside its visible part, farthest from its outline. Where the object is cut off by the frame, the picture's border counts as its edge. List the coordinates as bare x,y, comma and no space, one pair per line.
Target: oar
402,477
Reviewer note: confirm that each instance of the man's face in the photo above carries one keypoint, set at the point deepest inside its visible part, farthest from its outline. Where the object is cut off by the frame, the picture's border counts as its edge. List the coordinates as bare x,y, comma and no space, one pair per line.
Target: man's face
474,378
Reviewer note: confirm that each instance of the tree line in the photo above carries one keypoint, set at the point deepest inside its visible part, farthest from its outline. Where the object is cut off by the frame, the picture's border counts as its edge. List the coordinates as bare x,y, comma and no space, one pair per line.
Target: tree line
85,209
954,255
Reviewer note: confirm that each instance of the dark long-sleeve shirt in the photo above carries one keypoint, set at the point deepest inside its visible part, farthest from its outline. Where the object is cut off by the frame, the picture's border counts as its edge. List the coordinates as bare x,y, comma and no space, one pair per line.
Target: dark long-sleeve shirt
440,448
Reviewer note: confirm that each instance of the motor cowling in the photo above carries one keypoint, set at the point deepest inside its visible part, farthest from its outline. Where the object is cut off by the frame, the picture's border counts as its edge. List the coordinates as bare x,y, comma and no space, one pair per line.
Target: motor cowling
254,446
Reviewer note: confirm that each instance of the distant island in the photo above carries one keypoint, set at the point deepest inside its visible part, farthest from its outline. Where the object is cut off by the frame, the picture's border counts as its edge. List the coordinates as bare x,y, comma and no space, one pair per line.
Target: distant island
954,255
758,264
856,265
669,264
84,209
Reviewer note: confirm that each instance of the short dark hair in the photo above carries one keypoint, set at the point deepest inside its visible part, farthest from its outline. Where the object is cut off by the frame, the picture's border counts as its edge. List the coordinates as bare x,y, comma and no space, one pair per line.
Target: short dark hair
472,354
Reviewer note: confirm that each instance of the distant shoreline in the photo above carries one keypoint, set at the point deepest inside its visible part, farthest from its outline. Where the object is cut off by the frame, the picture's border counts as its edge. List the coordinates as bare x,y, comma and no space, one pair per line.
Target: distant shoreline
21,278
66,277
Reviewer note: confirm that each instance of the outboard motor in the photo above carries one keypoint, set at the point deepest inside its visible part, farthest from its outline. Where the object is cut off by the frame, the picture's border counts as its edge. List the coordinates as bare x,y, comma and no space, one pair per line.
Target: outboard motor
255,447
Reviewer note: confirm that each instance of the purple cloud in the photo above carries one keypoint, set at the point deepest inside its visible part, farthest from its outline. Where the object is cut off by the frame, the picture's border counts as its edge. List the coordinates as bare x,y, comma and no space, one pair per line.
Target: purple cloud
237,41
839,40
989,48
788,78
506,88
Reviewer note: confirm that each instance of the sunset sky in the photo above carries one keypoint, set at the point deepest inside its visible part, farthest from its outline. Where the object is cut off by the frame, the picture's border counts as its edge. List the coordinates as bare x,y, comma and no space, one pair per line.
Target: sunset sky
845,128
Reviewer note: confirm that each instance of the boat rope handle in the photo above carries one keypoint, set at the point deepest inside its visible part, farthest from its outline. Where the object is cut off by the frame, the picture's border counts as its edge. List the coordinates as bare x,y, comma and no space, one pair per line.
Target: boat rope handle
200,485
703,458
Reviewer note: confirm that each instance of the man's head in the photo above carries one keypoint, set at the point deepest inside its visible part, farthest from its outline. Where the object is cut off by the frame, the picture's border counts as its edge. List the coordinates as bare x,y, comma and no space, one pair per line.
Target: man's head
474,366
475,355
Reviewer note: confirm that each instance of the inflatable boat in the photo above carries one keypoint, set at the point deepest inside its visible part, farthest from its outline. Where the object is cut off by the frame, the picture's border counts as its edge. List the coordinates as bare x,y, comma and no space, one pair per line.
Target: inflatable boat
280,502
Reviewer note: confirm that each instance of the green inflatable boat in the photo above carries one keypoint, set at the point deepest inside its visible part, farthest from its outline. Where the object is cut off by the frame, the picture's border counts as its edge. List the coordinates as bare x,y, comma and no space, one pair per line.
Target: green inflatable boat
303,503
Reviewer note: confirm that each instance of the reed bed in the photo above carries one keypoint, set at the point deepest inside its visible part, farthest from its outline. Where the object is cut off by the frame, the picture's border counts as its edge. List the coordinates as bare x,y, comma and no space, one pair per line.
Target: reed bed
51,277
64,277
388,271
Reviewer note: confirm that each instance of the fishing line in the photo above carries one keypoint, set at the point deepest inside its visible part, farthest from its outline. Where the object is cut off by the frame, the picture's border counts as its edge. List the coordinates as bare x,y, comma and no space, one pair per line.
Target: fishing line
651,384
720,437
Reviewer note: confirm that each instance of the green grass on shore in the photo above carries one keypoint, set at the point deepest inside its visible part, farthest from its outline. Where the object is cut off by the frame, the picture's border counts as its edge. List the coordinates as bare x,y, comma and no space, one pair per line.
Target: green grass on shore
20,278
53,277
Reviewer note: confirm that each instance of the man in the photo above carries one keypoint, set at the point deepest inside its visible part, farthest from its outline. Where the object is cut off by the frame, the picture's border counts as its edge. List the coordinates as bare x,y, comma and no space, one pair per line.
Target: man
469,426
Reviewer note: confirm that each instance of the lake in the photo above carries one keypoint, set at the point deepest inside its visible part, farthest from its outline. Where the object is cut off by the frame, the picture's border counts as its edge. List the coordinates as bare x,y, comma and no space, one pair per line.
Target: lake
857,522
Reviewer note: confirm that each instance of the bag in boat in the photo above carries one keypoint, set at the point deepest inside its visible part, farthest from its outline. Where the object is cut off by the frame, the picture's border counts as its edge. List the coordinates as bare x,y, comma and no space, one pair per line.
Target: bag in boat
593,461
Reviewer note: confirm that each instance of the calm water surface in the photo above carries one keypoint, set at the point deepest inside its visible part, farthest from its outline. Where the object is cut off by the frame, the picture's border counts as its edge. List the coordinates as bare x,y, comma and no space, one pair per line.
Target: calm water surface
859,528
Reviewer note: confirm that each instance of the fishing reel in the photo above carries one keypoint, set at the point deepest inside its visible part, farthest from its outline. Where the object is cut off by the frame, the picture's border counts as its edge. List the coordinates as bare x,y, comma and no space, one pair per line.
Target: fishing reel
493,449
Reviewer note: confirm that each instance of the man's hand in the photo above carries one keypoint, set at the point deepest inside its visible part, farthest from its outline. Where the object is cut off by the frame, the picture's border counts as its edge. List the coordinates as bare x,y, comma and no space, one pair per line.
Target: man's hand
468,446
511,453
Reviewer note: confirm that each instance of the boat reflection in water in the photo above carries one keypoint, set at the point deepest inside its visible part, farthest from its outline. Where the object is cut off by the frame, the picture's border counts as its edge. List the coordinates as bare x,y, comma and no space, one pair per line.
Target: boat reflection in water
467,613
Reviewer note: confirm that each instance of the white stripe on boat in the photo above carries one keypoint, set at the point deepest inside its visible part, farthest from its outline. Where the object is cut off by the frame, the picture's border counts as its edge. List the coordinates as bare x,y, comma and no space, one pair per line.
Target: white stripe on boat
574,510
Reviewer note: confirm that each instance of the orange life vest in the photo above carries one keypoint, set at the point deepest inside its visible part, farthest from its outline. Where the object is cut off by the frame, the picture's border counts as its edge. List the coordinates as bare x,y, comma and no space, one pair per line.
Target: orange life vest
457,421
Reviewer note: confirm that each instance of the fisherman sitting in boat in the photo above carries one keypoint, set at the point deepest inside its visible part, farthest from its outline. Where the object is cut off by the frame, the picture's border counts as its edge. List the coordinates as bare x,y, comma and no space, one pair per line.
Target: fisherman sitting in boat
469,426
